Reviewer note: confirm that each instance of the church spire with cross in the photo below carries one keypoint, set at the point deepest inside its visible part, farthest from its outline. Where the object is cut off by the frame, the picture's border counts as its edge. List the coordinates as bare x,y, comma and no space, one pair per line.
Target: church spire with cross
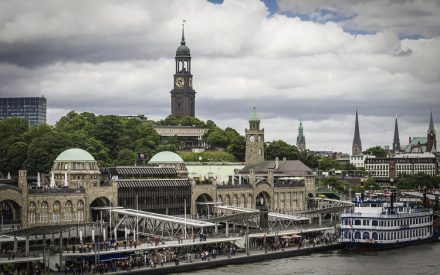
301,139
396,139
431,144
356,149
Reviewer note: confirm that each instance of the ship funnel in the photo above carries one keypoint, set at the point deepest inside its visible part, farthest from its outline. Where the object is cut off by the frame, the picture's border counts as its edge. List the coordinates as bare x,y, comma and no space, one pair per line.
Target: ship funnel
425,199
362,192
437,204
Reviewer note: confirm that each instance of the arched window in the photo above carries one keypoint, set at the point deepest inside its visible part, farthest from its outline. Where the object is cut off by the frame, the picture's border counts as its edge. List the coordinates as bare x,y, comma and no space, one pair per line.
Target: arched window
374,236
44,212
80,211
357,235
31,213
68,211
235,200
249,201
228,200
242,201
56,215
357,222
374,223
366,236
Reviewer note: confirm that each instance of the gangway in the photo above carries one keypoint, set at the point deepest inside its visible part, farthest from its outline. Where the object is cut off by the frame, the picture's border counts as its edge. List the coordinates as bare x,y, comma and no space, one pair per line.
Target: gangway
274,218
150,223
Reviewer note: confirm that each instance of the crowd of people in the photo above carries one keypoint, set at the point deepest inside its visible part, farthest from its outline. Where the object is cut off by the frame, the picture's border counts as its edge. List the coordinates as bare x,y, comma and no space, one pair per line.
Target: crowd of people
150,258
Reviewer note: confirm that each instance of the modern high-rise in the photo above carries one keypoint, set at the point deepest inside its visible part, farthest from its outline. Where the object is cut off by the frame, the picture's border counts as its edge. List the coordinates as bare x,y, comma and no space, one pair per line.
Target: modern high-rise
31,108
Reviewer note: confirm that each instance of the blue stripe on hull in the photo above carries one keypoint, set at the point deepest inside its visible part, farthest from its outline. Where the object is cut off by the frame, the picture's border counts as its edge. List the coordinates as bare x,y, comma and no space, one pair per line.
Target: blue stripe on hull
359,246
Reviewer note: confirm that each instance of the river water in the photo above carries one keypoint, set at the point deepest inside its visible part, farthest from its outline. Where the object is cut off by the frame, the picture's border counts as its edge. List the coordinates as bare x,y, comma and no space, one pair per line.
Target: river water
419,259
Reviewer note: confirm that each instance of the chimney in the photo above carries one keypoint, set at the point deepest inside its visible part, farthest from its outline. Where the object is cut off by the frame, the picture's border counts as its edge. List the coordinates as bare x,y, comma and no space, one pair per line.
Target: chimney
277,163
425,199
409,140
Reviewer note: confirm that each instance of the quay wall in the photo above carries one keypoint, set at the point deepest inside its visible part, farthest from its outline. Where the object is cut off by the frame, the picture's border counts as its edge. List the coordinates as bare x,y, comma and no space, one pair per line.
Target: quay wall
214,263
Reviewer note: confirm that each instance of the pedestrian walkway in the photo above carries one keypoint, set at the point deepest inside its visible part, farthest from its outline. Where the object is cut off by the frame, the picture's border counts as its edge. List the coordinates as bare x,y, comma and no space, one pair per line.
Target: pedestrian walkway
146,246
17,260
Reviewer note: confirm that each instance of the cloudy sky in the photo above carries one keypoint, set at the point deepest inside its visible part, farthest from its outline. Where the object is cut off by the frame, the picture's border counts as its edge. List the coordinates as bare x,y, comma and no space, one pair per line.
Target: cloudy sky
316,59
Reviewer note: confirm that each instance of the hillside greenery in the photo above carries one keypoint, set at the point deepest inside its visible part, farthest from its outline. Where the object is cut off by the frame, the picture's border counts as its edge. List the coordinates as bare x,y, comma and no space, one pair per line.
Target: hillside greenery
114,140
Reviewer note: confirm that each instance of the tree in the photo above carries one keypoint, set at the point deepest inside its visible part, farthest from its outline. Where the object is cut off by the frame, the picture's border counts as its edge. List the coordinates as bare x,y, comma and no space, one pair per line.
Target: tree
238,148
418,181
376,151
336,184
125,157
217,138
281,149
182,121
326,163
17,155
13,127
370,184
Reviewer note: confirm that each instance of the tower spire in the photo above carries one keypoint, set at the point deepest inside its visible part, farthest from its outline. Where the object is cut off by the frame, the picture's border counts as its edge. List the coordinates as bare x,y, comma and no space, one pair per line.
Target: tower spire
431,123
357,145
431,145
301,139
396,140
183,33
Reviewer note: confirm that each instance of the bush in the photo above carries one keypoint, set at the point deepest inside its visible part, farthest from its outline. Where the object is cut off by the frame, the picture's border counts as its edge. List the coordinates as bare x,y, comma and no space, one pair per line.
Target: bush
208,156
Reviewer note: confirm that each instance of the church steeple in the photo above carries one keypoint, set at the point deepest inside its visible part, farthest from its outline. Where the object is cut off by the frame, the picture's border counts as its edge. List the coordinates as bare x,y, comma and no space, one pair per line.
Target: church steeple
431,145
301,139
396,139
183,94
356,149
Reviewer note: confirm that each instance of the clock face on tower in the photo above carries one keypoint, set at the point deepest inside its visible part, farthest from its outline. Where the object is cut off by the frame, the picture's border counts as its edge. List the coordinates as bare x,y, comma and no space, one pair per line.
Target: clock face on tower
180,82
251,138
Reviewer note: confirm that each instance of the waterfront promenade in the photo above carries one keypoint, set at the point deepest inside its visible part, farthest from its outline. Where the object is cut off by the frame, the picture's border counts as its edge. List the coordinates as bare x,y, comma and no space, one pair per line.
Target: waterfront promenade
197,262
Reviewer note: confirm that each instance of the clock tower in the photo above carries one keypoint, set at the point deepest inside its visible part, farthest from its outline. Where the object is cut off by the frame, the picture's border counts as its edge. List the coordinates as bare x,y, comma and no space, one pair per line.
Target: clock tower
254,140
183,95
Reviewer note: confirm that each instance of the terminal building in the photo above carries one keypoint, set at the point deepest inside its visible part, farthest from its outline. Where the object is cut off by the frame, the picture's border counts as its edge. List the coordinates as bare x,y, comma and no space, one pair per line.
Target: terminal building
68,197
31,108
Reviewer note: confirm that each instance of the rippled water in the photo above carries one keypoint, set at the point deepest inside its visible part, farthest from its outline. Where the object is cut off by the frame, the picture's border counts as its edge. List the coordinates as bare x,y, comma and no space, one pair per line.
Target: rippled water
419,259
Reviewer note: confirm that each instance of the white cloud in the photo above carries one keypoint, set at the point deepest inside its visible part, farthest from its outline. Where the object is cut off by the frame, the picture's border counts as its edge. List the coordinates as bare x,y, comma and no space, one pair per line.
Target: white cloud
117,58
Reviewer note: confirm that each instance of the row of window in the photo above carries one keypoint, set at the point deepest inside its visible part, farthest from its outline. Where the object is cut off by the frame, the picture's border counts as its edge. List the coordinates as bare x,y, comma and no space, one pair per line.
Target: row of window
395,235
44,216
76,166
394,222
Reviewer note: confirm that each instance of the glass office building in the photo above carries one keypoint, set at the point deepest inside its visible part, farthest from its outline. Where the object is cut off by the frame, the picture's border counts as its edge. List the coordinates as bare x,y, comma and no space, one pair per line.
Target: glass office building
32,108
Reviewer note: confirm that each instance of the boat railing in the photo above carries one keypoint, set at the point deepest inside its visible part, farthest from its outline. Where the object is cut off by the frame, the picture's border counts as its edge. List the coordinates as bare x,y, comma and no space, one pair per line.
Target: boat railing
389,216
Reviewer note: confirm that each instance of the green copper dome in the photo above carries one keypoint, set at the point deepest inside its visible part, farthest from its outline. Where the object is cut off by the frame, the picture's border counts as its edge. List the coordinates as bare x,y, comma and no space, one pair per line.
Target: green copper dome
254,115
75,154
165,157
183,50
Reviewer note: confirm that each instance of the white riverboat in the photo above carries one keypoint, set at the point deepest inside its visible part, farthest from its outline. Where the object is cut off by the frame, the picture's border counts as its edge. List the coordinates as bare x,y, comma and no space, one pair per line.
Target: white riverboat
375,225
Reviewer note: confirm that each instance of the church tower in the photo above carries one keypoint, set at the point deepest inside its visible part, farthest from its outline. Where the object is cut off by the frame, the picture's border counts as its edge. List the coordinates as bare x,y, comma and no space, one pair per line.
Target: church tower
431,144
301,139
356,149
183,95
254,140
396,139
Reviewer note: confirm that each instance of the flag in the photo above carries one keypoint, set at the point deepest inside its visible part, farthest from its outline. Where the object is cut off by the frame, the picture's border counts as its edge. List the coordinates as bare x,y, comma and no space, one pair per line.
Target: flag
140,156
